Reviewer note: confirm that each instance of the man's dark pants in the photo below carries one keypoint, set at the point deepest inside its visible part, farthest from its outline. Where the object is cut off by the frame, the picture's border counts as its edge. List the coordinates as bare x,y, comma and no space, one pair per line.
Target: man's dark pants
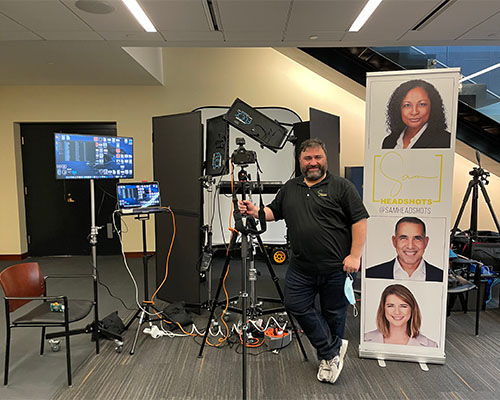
324,328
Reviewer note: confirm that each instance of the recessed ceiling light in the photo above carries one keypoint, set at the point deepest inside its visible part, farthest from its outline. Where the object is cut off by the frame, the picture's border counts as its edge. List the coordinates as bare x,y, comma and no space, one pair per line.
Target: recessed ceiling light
94,6
139,15
314,37
365,13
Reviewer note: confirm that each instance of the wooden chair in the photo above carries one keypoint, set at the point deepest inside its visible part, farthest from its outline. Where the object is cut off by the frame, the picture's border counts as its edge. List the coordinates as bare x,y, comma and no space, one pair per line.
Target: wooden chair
24,283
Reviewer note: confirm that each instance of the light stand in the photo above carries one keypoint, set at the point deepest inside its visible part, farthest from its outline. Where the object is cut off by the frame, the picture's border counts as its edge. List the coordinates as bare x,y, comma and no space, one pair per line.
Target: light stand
94,230
248,273
206,261
92,328
143,312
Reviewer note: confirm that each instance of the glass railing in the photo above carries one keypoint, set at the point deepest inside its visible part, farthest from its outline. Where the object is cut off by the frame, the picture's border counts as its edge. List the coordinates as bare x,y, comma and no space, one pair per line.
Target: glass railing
481,91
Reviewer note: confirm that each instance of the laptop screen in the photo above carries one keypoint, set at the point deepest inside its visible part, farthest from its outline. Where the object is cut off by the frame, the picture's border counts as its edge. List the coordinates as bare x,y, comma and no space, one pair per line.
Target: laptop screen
138,195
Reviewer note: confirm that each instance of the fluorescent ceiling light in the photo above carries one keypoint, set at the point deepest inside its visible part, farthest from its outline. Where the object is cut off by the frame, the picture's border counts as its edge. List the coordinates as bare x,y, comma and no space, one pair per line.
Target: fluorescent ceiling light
365,13
140,15
483,71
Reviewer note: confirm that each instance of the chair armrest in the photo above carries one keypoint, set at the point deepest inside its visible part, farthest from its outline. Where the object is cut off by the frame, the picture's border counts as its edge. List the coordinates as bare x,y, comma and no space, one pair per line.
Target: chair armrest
44,298
69,276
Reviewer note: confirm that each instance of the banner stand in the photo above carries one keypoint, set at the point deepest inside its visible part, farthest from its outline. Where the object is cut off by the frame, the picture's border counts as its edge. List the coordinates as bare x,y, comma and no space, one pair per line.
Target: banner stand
409,154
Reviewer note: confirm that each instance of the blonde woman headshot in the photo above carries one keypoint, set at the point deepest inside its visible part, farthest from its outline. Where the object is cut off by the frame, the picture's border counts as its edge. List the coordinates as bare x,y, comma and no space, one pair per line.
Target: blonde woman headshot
398,319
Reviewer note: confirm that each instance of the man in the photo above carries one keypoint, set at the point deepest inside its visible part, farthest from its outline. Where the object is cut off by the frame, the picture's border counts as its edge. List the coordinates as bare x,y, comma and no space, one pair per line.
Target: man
410,241
326,223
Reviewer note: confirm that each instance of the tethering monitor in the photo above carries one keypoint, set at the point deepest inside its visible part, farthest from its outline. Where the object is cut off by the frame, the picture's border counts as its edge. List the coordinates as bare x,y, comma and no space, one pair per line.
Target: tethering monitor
93,157
139,197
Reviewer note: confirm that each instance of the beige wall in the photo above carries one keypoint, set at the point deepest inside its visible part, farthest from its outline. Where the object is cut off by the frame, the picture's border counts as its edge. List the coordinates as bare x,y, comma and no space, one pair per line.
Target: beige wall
193,78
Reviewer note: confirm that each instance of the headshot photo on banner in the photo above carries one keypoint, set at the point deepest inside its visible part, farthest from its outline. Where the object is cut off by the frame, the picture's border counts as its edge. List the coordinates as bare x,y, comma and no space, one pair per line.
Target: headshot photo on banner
408,173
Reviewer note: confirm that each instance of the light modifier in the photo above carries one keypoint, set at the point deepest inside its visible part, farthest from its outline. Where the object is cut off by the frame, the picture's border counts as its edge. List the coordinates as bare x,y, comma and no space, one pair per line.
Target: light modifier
365,13
139,15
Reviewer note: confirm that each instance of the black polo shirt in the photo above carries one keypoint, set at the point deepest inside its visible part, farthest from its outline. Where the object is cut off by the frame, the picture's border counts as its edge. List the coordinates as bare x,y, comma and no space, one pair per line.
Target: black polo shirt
319,220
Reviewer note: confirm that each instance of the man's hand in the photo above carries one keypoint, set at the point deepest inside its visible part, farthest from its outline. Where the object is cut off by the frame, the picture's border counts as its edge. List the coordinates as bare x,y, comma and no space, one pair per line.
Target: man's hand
351,264
246,207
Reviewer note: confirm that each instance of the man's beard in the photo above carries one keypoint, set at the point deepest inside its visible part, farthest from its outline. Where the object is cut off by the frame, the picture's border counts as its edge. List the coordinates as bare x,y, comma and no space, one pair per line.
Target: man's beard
315,174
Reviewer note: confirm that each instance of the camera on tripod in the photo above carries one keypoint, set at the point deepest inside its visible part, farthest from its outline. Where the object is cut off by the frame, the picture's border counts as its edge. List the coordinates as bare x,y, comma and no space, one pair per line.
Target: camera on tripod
242,156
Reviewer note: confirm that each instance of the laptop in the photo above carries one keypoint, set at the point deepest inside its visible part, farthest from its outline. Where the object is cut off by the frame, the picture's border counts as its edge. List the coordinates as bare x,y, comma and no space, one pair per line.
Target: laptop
139,198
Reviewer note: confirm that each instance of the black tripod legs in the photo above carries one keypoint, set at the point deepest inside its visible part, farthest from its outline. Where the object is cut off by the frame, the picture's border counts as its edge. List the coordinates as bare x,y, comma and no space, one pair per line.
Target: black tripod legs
275,279
141,320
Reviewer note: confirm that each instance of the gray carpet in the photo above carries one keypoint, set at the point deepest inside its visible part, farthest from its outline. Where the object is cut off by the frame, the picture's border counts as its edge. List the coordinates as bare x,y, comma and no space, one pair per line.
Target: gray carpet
168,368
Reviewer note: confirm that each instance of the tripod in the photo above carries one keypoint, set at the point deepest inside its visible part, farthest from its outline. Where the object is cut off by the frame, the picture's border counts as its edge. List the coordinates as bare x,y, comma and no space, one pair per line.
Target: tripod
479,180
143,312
246,274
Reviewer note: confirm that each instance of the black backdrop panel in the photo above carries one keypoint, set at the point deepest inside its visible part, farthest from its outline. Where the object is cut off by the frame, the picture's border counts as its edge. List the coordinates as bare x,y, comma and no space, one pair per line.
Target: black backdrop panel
177,158
325,127
301,131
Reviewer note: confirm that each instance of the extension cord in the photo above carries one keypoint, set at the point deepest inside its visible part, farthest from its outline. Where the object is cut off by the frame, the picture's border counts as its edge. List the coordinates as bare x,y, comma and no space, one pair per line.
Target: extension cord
277,339
154,331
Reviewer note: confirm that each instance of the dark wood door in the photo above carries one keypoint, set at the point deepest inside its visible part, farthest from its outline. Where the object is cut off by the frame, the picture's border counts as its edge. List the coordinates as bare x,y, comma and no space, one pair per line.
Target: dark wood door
58,215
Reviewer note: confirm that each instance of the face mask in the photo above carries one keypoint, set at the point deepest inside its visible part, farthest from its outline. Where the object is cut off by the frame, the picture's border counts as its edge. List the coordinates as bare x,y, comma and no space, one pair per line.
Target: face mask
349,292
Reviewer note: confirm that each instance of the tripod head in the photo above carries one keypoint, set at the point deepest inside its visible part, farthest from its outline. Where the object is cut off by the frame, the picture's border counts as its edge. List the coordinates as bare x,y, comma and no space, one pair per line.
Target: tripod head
478,173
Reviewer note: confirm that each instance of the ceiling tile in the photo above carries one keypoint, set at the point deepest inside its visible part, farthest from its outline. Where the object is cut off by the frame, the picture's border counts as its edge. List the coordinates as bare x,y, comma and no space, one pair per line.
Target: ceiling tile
143,36
56,17
177,15
249,36
323,15
19,36
183,36
119,20
488,30
456,20
254,16
322,35
70,35
8,25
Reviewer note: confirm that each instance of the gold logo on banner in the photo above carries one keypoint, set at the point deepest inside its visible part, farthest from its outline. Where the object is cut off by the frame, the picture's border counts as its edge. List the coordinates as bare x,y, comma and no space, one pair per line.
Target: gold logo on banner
396,181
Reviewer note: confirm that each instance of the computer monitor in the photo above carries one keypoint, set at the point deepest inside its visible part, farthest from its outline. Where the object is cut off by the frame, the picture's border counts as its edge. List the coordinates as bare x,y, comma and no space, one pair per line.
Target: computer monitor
138,197
93,157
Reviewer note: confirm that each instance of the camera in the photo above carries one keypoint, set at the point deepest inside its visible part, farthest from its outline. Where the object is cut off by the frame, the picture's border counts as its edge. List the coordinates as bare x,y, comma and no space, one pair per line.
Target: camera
242,156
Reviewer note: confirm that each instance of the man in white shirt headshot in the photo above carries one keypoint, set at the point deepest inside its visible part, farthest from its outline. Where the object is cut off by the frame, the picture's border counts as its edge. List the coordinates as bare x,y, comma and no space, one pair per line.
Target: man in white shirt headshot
410,241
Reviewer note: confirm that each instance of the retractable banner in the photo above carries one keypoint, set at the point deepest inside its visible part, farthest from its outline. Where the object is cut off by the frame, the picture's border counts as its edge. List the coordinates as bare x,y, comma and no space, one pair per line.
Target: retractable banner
409,153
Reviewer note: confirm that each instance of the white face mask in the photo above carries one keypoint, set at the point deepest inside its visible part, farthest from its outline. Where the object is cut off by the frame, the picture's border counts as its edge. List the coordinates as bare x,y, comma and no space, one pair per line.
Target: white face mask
349,292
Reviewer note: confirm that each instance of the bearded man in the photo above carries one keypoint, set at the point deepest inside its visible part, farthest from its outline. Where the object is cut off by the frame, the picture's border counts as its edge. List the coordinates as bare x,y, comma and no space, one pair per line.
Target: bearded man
326,222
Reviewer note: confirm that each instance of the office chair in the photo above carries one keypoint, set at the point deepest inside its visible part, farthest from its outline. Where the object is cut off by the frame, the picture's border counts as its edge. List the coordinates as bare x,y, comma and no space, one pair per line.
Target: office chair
461,281
24,283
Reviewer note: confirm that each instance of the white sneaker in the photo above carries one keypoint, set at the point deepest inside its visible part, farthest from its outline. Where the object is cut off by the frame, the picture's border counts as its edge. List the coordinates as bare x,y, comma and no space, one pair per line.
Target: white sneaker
329,371
343,351
326,371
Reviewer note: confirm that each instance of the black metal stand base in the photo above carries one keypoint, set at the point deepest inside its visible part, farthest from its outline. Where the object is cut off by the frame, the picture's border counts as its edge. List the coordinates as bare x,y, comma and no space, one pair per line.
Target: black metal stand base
144,317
